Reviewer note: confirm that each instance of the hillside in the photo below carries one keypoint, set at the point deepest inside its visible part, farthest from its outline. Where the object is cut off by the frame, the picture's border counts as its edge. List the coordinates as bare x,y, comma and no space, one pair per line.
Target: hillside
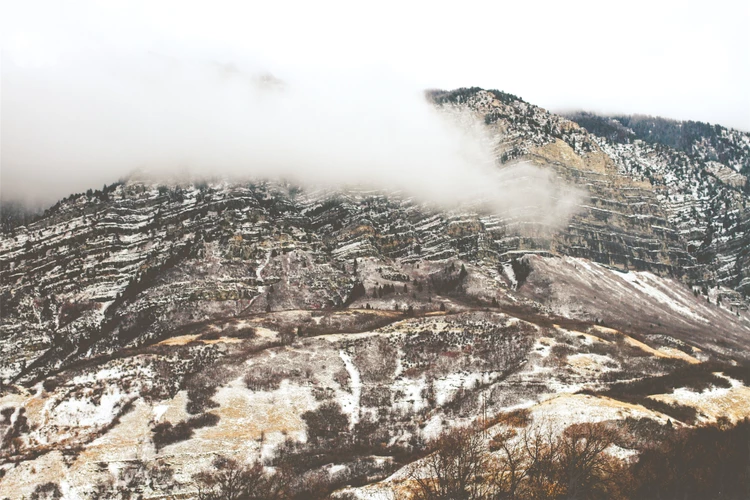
148,328
699,172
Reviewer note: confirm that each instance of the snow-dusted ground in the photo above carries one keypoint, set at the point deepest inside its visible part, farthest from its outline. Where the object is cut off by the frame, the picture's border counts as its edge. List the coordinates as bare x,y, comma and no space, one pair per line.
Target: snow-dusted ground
350,405
253,423
634,300
568,409
732,403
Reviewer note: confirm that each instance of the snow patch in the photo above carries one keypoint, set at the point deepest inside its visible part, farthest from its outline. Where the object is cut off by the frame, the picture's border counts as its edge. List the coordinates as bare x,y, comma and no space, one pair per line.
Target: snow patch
350,403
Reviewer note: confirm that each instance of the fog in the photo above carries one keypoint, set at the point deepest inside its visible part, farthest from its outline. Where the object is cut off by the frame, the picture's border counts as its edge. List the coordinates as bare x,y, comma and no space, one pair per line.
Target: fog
92,91
73,126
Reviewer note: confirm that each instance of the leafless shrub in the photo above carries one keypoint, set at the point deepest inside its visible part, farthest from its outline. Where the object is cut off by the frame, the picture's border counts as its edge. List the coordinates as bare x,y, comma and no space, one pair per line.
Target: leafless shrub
323,393
376,360
132,478
342,378
231,480
326,423
559,354
200,389
18,426
453,470
46,491
165,433
50,384
268,378
515,418
377,396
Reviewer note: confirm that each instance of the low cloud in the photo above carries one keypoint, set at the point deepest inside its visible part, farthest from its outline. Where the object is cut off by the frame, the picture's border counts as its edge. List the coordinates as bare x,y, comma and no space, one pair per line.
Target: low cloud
69,127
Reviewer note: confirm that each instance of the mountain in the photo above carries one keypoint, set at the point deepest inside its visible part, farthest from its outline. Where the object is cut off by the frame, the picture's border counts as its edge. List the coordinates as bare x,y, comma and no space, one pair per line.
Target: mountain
701,141
699,172
147,329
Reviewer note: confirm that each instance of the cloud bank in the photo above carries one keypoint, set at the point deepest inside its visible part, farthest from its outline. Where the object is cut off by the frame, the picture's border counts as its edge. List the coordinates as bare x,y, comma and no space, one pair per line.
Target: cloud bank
68,127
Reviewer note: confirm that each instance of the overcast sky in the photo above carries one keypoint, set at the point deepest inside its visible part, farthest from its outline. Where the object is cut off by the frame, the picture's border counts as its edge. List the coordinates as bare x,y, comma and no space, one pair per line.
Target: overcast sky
684,60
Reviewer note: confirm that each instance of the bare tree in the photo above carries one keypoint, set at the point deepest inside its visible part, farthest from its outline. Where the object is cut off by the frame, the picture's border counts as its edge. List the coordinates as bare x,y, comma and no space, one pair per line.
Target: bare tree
528,463
454,470
587,472
542,451
508,470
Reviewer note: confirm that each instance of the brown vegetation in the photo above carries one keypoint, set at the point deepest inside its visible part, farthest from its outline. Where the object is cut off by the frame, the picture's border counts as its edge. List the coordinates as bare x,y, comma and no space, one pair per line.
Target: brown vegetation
527,463
531,462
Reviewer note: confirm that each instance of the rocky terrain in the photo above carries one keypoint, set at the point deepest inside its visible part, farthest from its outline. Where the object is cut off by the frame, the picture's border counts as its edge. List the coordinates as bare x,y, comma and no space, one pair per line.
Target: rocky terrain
699,173
150,327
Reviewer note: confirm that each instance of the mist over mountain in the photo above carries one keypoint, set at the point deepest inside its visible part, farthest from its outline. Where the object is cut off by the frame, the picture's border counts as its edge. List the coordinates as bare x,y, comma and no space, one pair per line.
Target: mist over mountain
175,120
328,293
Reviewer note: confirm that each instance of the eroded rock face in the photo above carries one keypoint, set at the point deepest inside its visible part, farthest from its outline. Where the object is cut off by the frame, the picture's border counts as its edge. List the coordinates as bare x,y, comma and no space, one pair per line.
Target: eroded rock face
699,173
620,221
125,276
123,266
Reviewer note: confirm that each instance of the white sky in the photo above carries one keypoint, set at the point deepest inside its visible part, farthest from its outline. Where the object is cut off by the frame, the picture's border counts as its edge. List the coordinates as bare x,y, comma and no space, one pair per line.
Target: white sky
684,60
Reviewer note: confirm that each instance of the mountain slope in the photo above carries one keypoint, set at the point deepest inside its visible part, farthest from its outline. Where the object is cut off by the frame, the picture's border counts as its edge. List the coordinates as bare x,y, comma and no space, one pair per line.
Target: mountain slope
699,173
146,329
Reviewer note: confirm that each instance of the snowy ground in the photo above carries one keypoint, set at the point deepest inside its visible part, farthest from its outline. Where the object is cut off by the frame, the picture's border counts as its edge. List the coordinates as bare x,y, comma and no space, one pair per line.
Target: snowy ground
732,403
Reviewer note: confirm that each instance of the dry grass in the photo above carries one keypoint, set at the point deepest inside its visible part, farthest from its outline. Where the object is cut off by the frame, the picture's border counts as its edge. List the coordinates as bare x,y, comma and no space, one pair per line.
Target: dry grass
732,403
187,339
662,352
